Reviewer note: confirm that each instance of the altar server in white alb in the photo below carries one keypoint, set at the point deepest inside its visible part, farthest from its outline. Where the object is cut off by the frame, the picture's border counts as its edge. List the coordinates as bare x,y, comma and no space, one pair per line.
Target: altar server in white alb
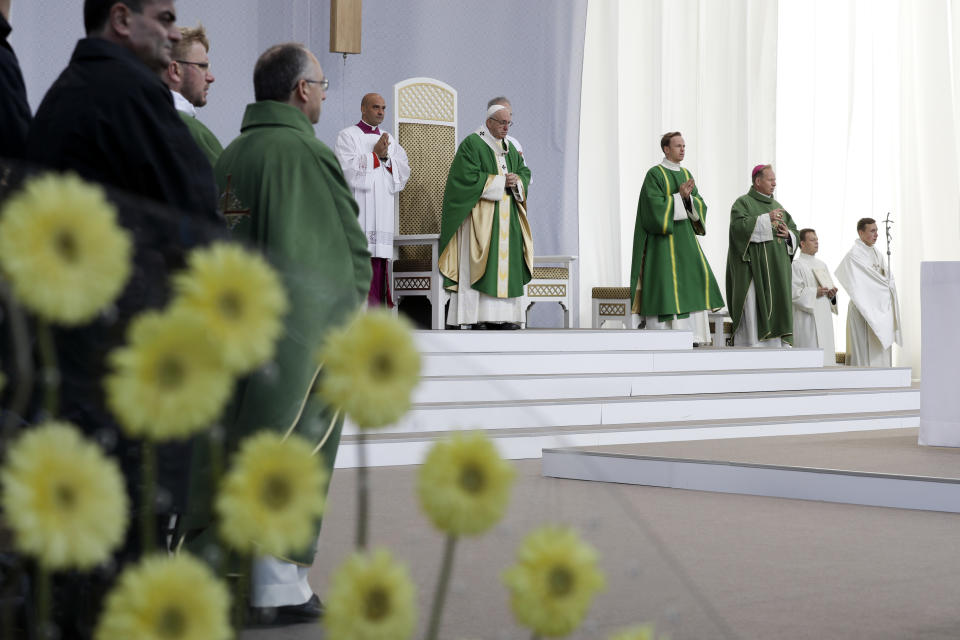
873,318
376,169
814,299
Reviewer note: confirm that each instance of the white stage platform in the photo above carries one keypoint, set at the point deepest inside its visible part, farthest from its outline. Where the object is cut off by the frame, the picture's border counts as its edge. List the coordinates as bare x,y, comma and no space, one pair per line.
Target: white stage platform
873,468
539,389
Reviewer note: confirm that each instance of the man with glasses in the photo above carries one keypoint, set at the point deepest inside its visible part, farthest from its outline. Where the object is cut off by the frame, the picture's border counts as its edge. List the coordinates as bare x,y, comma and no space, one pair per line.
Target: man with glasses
189,78
486,248
301,213
376,168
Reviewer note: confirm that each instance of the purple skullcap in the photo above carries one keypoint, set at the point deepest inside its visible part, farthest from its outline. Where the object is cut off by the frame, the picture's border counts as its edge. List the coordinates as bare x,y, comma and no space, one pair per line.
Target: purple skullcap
757,169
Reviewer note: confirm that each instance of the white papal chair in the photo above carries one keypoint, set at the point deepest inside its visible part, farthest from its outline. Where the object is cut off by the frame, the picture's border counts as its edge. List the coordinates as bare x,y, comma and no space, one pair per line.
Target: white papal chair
425,119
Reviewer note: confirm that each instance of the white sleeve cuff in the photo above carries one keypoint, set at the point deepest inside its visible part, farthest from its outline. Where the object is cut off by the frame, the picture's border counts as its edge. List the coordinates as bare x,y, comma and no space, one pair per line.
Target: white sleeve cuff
763,230
494,189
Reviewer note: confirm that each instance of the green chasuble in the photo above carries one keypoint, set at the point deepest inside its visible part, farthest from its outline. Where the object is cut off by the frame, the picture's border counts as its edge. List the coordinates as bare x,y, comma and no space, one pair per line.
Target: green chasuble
669,274
204,138
304,218
501,258
767,264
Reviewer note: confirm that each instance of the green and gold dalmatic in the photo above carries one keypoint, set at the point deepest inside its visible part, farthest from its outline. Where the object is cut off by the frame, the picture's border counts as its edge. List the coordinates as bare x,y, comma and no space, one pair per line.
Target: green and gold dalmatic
670,275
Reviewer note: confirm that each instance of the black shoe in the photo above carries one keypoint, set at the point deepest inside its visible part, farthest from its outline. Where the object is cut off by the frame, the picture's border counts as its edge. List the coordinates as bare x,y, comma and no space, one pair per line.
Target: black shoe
310,611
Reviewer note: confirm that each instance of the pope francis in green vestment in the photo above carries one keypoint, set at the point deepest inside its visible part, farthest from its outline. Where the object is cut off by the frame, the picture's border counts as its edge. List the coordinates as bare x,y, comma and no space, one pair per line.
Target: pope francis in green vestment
486,248
763,239
671,283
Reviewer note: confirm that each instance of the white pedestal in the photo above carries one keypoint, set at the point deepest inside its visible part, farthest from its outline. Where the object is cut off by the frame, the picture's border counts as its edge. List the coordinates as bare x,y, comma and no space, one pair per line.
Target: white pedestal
939,400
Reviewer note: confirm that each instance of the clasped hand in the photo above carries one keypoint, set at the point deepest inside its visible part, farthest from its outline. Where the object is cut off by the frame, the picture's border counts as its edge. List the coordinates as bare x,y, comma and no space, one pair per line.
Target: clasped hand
686,189
512,179
382,147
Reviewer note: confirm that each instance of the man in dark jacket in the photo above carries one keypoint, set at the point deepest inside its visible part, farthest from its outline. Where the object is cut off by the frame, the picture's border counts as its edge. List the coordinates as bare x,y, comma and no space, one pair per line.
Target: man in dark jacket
14,110
110,118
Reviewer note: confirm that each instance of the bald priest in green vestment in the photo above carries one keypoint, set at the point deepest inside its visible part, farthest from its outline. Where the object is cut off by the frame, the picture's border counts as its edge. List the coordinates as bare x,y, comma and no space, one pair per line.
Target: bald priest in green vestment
188,77
763,240
671,283
288,191
486,248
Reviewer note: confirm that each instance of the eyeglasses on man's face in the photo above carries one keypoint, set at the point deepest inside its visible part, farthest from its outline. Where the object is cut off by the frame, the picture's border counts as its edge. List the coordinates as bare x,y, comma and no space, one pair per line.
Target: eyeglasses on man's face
324,84
504,123
203,66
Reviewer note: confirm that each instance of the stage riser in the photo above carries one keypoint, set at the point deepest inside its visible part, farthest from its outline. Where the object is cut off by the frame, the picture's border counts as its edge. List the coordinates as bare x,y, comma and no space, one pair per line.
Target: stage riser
648,410
562,363
539,340
499,389
411,452
778,482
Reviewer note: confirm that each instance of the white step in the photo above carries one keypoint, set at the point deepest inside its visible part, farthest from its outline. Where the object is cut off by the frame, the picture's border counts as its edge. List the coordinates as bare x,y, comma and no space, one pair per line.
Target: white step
566,362
398,450
569,386
455,341
650,409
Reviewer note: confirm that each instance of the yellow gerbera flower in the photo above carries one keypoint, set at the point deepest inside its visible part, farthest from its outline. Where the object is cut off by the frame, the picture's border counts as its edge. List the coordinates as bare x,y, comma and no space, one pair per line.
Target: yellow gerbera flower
169,381
464,484
63,498
370,368
642,632
241,298
166,598
271,496
371,597
554,581
62,249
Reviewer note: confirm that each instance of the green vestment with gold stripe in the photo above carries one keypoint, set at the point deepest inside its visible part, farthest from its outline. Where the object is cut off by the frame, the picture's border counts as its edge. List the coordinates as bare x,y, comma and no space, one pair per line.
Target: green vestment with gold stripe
504,260
670,274
766,264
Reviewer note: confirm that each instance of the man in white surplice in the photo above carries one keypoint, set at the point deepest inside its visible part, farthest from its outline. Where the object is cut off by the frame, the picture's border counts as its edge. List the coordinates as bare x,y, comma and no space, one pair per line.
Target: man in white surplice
376,169
873,317
814,299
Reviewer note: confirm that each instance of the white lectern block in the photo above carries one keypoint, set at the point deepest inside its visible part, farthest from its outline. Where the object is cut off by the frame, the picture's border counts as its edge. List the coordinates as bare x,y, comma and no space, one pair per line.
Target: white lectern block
939,398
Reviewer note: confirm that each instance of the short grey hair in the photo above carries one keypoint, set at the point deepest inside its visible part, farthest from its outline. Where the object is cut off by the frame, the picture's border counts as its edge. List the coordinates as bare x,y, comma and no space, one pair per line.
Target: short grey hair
504,100
278,70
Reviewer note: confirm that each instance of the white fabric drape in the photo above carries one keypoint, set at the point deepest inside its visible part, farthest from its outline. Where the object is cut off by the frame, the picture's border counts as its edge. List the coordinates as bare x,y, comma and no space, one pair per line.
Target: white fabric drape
706,69
867,123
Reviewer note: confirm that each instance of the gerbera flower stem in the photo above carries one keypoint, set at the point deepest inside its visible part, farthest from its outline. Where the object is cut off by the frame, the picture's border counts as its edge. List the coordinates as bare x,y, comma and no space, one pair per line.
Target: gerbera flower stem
148,495
51,375
363,491
43,601
440,595
22,378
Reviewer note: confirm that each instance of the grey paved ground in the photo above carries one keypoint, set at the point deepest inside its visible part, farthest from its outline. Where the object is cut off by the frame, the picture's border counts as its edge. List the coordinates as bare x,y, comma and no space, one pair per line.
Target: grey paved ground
700,565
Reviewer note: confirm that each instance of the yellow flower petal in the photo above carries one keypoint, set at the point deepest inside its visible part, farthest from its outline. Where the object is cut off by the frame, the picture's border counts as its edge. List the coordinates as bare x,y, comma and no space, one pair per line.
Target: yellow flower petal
62,249
553,582
63,498
169,381
370,368
371,597
464,484
241,298
166,598
272,496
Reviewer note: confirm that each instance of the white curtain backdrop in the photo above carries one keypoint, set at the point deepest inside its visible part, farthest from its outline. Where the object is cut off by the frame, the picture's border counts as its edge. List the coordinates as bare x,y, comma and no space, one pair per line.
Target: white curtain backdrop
856,102
701,67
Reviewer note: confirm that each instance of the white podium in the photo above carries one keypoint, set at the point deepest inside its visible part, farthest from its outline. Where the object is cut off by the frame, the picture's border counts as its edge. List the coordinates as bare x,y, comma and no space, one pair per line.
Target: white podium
939,309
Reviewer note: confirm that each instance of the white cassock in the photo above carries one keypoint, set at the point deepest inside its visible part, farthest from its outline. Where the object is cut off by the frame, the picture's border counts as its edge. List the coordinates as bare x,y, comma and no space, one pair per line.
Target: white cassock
873,317
374,184
813,316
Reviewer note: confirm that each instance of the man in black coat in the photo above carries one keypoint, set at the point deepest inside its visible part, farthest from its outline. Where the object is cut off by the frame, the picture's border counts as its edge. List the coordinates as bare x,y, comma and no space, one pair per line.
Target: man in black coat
14,110
110,118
